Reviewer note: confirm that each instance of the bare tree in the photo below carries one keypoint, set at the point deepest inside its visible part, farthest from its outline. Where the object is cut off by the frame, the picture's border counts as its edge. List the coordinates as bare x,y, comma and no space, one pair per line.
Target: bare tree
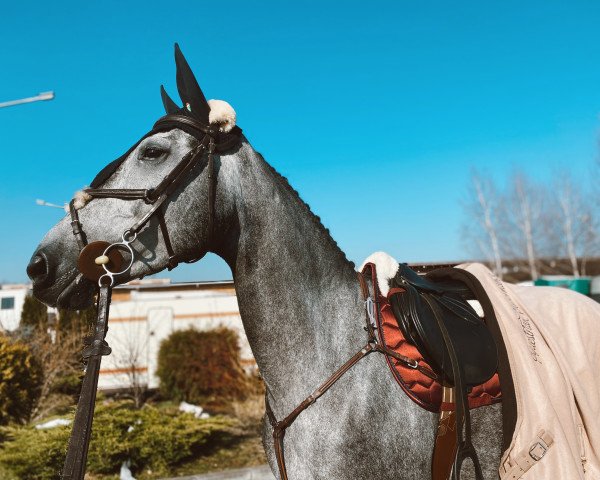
129,354
483,208
520,235
570,223
533,224
591,237
594,205
578,221
568,202
58,353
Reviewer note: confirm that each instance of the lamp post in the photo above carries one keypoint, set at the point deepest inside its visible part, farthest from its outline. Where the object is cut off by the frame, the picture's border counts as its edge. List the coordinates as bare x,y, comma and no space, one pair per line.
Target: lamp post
39,97
44,203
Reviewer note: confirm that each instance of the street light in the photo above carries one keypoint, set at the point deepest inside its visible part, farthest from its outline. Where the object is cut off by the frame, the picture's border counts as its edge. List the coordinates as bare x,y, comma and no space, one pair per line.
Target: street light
39,97
44,203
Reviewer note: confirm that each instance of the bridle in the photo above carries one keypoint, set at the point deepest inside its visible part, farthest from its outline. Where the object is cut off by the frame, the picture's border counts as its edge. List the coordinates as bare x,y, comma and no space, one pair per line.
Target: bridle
102,262
210,140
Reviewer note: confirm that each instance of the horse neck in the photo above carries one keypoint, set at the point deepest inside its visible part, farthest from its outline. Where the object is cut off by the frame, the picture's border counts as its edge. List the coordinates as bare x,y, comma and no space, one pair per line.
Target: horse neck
298,296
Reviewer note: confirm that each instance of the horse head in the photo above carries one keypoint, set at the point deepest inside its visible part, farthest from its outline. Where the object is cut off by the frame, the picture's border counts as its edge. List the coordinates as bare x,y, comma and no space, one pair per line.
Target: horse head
159,196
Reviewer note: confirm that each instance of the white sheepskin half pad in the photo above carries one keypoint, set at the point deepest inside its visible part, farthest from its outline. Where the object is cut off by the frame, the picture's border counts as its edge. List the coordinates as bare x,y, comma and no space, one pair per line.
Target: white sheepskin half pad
386,267
222,114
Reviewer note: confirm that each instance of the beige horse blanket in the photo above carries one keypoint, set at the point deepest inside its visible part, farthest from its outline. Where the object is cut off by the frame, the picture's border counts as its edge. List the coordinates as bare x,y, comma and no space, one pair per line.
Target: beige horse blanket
552,336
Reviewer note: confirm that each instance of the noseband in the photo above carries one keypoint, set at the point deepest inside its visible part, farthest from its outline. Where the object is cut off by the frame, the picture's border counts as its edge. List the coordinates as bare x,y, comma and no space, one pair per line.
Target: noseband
210,140
102,261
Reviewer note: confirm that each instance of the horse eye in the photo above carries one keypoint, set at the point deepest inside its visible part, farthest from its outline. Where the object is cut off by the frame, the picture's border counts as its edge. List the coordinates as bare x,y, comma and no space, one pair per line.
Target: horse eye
153,152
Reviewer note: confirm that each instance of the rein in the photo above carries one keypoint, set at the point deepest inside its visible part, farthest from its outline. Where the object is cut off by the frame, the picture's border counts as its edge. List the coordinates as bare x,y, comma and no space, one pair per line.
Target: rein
372,345
102,262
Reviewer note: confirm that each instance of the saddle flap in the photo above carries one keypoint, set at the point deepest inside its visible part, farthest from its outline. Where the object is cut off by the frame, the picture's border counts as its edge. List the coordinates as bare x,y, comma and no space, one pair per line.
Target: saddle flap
472,341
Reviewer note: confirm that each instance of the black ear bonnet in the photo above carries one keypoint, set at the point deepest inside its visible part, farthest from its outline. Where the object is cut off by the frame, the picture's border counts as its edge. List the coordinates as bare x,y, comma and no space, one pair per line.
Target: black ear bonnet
192,118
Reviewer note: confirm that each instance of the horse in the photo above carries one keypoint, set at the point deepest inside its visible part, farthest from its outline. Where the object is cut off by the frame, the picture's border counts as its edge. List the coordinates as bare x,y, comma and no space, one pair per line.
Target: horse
299,299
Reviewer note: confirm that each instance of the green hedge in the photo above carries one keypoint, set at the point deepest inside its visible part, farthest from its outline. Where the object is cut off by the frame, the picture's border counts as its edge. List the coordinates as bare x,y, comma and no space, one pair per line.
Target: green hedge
20,380
159,439
202,367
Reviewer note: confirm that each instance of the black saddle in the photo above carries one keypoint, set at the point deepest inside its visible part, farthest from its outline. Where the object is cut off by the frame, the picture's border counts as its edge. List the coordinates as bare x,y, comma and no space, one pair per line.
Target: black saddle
435,316
415,310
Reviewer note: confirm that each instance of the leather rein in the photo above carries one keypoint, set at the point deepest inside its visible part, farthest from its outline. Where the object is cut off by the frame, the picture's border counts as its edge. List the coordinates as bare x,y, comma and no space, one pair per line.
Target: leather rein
102,262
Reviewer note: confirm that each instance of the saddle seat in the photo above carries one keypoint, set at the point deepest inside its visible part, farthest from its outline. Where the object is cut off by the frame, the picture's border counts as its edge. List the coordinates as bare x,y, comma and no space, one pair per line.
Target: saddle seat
415,300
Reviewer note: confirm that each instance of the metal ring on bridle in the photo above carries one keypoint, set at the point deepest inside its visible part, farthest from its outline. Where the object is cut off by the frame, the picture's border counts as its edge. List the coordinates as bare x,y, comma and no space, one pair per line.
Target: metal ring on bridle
125,236
106,276
128,237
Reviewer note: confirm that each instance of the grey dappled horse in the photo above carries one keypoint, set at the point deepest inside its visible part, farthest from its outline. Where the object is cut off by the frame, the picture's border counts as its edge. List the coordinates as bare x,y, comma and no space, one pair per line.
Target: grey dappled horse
299,300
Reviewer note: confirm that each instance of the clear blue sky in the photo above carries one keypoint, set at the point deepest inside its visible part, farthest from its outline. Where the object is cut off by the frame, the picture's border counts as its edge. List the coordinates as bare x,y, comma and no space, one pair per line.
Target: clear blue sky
375,111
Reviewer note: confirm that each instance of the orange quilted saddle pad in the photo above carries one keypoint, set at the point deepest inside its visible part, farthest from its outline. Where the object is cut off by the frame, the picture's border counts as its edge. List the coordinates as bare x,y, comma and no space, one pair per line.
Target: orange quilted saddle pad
421,389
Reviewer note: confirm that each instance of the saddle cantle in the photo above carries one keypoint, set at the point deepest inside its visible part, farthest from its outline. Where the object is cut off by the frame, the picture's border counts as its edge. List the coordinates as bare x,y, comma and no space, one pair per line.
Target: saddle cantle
413,299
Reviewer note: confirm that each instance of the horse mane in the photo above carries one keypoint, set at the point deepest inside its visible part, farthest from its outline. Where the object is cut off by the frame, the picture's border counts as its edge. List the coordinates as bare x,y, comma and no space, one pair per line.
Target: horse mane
316,220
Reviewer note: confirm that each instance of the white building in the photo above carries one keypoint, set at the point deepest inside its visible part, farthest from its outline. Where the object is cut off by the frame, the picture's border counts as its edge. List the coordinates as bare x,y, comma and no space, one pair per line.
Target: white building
12,298
144,313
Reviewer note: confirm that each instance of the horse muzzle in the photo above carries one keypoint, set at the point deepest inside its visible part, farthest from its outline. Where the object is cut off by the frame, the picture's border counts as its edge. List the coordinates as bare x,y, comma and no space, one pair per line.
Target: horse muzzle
65,290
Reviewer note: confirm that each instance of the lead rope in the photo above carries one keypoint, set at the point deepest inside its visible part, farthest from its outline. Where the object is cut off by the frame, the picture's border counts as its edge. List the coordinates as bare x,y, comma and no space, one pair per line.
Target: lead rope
372,345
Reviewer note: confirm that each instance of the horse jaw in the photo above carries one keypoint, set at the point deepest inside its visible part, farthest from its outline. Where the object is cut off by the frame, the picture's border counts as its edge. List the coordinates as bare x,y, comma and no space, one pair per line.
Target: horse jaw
77,295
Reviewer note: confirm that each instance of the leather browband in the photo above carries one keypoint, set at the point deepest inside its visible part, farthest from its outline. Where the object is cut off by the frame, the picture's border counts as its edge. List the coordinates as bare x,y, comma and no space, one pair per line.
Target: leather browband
223,141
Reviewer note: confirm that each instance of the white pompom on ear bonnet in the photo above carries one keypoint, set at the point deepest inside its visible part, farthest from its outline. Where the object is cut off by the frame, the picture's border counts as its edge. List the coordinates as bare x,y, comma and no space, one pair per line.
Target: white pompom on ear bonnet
222,114
80,199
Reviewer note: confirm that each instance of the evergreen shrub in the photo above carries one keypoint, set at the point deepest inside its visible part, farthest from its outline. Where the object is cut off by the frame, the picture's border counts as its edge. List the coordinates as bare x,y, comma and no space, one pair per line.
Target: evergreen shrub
148,437
202,367
20,381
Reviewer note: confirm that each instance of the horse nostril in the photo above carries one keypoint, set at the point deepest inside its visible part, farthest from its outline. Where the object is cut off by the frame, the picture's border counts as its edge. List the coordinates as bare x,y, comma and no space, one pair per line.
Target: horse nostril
38,271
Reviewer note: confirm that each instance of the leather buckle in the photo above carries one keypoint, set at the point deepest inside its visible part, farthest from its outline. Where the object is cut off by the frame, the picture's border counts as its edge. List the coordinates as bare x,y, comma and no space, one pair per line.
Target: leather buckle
370,307
538,450
97,347
149,197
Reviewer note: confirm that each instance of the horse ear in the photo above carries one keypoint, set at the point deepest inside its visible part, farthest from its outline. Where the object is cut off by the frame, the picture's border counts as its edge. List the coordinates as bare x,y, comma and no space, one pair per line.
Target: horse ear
191,95
170,105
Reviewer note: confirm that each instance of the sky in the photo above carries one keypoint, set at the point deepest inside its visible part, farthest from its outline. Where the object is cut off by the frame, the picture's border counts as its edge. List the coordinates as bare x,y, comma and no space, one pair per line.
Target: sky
376,112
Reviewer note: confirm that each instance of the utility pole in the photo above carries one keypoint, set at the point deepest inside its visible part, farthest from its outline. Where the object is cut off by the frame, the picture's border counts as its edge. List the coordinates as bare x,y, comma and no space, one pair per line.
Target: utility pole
39,97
